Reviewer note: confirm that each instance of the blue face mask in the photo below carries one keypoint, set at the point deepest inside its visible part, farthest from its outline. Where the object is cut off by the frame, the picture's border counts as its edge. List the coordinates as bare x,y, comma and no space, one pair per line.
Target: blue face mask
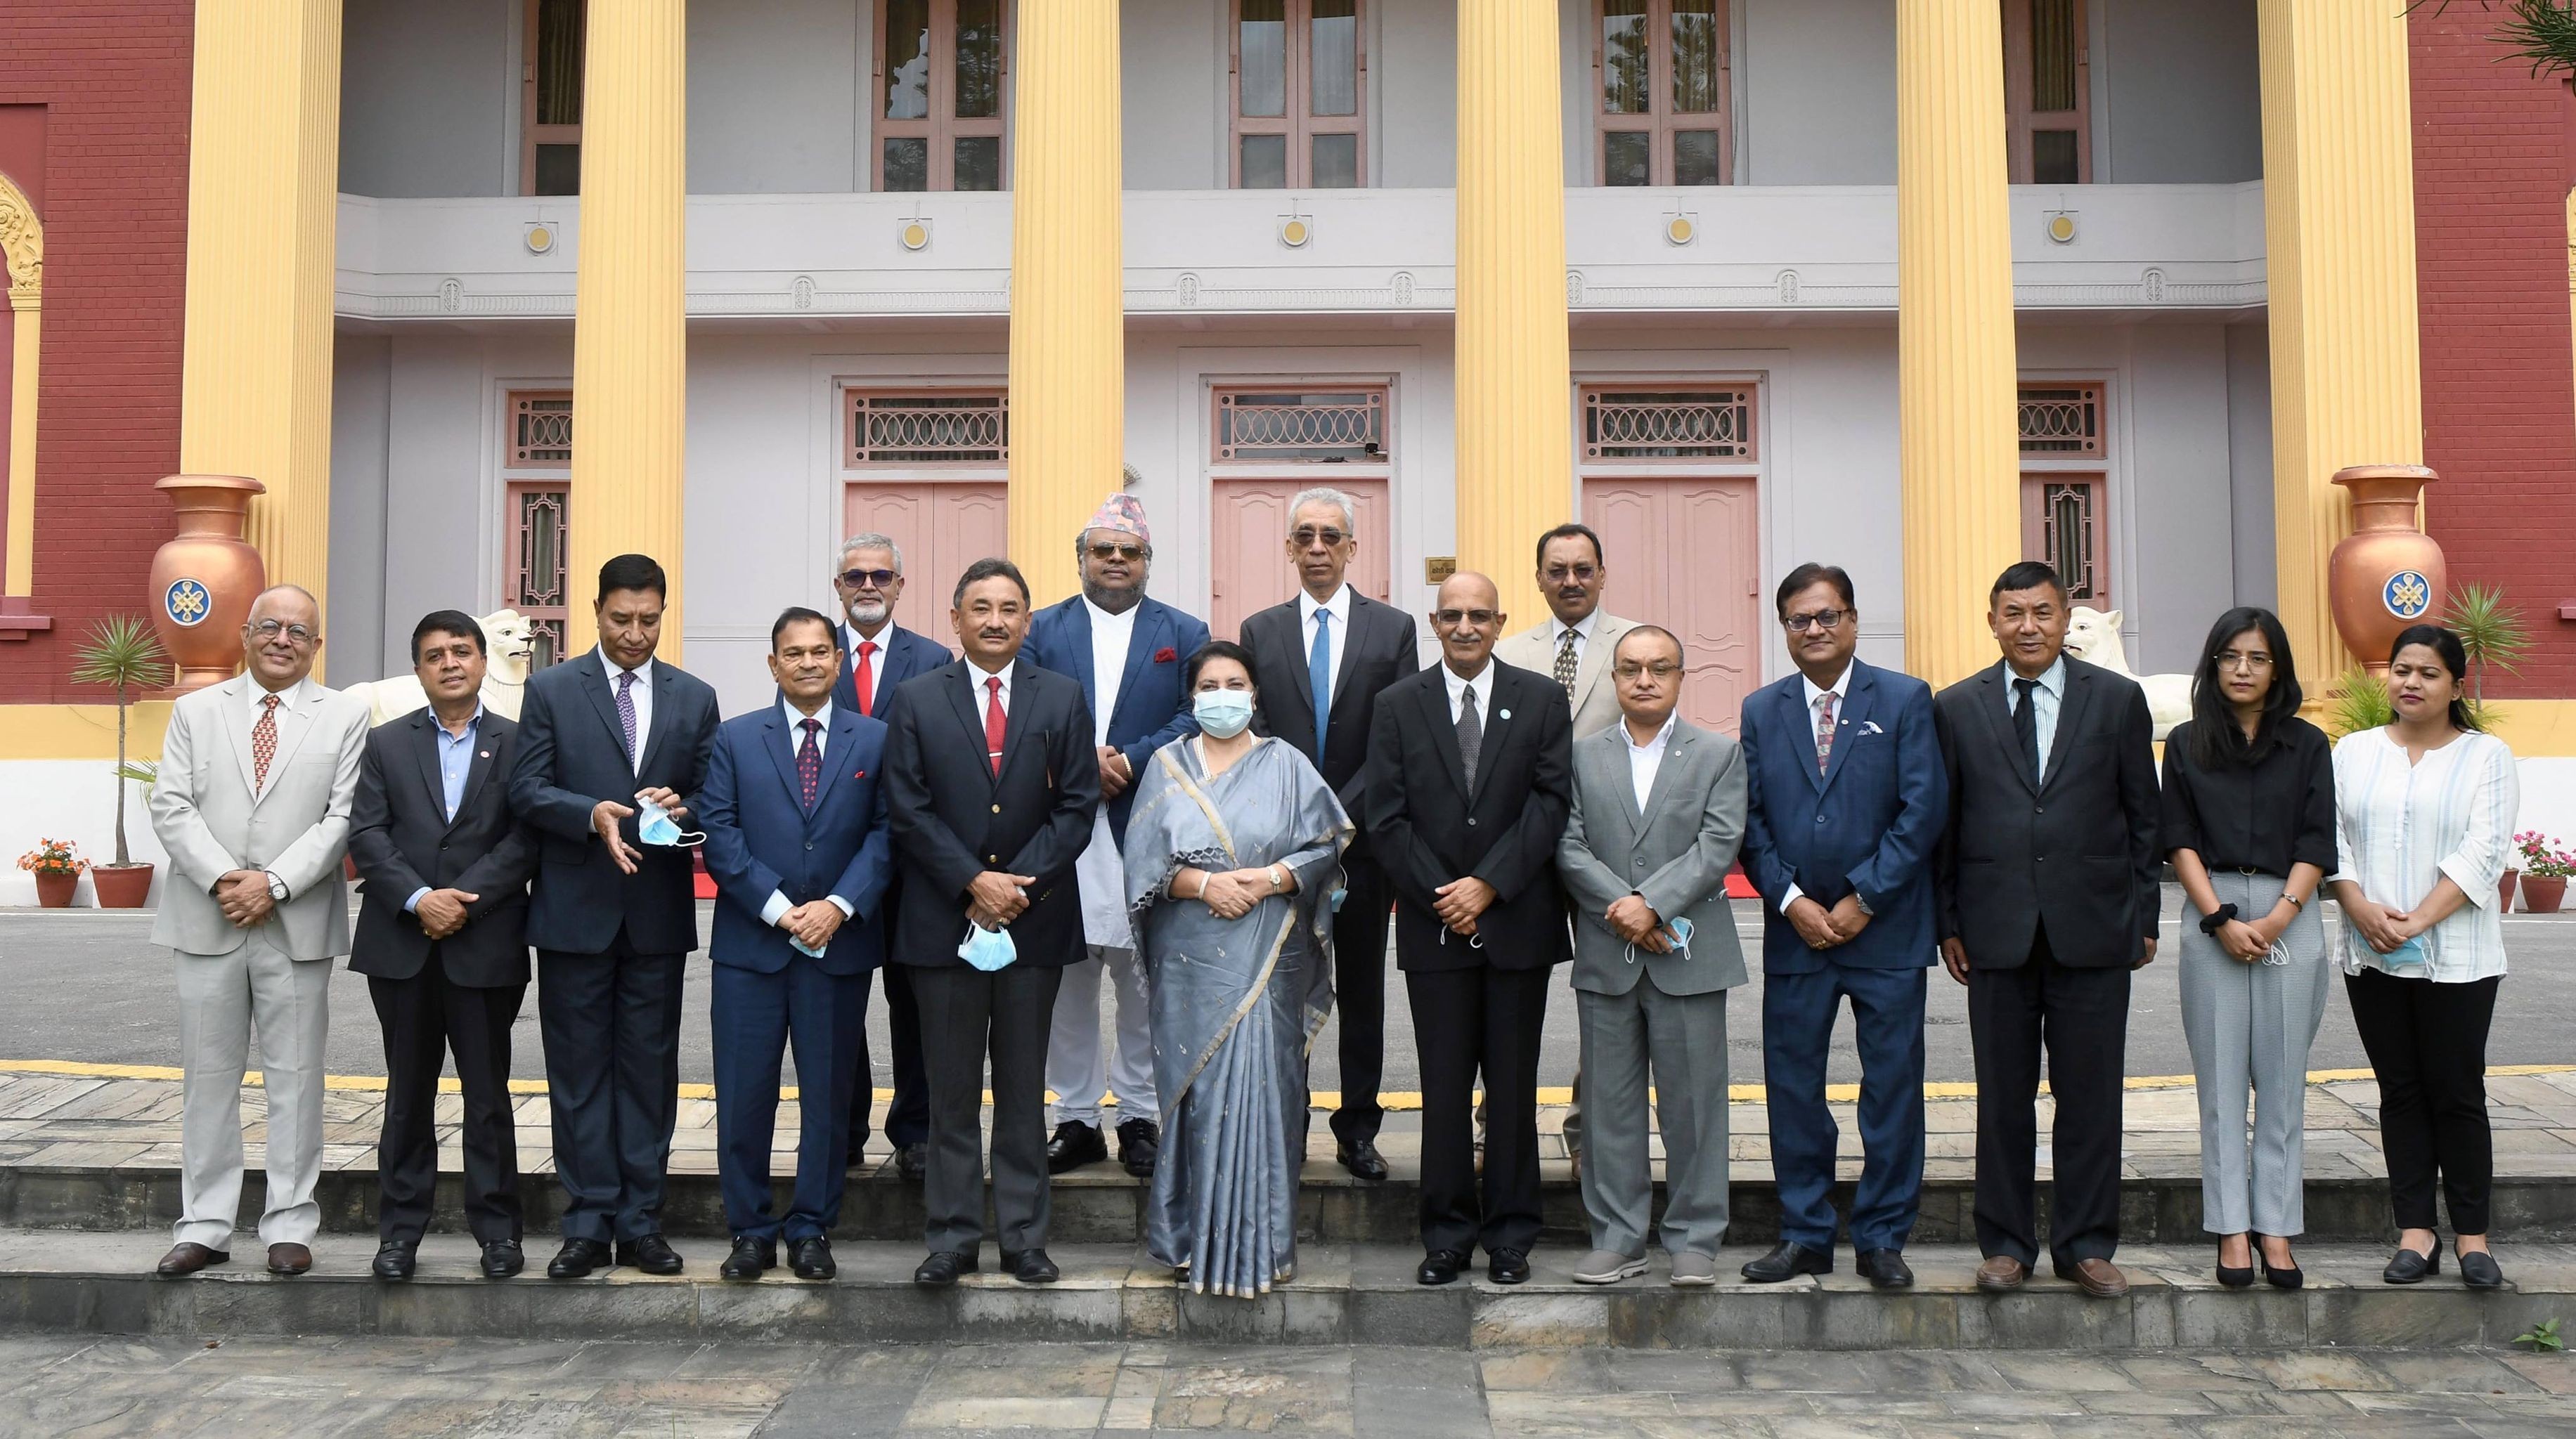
801,947
1222,713
654,825
987,949
1680,929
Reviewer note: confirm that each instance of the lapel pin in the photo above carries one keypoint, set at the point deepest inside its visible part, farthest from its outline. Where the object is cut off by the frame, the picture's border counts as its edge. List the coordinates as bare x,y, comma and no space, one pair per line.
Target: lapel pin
483,754
1502,714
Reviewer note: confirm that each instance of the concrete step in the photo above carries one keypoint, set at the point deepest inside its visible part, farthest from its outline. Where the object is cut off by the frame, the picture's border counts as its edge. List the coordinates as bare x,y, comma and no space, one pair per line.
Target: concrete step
1343,1294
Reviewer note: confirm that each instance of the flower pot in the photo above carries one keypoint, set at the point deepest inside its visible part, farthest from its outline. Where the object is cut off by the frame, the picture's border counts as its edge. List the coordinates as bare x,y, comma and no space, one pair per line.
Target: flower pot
54,890
121,886
204,580
2387,574
2542,896
2504,892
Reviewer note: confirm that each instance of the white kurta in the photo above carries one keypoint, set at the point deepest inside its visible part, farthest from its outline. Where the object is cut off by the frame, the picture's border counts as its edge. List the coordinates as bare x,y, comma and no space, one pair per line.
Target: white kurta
1100,872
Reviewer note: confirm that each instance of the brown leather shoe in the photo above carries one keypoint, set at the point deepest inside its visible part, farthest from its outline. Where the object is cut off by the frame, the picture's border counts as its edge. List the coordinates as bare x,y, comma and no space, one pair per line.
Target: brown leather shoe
2097,1277
289,1259
2001,1272
186,1259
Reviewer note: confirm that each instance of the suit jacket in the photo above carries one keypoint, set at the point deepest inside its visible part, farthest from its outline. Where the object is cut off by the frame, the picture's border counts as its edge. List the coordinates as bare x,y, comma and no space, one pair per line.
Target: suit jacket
210,822
763,841
1675,854
1869,823
1431,825
905,654
2077,852
1596,699
1152,709
572,755
953,818
1378,651
401,839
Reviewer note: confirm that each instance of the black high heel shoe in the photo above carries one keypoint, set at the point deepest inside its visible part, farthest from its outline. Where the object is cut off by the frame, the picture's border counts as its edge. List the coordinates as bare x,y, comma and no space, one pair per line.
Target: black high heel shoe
2279,1277
2233,1277
2409,1267
2478,1269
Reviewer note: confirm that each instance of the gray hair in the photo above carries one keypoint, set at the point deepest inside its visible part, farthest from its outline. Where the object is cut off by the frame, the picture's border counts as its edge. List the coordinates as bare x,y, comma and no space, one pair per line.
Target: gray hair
1327,495
871,540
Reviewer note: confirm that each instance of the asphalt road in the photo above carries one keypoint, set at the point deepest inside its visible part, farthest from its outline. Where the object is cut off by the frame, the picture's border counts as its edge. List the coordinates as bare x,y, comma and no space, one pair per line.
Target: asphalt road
88,985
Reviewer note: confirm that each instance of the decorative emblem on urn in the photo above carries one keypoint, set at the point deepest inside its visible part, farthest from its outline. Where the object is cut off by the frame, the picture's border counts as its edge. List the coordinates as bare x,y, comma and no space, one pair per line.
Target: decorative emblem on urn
2387,574
204,579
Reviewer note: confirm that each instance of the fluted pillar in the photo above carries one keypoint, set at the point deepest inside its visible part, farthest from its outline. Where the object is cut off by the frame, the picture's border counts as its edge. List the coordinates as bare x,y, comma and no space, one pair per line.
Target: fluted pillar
2339,235
1958,448
1068,292
630,359
1515,444
263,211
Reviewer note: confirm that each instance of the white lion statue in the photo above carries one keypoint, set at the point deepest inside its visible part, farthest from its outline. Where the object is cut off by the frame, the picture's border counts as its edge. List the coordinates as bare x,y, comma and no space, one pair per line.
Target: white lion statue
2093,636
512,640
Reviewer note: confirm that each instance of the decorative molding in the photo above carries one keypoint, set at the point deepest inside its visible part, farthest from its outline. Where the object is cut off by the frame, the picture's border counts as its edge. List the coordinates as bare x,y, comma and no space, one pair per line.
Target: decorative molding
22,240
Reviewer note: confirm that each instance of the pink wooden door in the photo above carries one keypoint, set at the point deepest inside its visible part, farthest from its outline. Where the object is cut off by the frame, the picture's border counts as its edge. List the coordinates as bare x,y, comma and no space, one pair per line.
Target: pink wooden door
943,528
1686,554
1248,565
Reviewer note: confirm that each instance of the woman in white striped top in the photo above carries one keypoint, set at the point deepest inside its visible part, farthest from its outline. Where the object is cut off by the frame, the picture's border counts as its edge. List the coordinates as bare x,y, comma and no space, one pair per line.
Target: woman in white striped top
2424,812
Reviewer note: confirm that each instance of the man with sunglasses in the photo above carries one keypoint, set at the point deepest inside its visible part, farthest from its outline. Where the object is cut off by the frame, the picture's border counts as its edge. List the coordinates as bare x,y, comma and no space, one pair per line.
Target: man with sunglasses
876,655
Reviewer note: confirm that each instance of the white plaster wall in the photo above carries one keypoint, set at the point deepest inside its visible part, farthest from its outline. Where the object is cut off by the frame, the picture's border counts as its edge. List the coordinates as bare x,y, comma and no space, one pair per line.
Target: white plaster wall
774,90
2177,93
1819,85
71,799
2249,461
1175,94
361,410
429,99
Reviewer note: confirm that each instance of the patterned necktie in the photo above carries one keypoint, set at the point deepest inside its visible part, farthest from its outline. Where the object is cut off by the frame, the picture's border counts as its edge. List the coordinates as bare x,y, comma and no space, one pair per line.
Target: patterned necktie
1471,735
993,723
1824,729
809,761
866,679
263,744
1319,676
2026,723
626,711
1565,662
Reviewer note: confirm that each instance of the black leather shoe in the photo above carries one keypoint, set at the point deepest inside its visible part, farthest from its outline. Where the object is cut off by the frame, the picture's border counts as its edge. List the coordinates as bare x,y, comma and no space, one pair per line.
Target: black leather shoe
1031,1266
2478,1269
186,1259
811,1257
2409,1267
1507,1266
751,1258
943,1266
1361,1158
1440,1266
1075,1144
1140,1143
1787,1261
651,1254
503,1258
577,1259
1883,1268
396,1258
912,1162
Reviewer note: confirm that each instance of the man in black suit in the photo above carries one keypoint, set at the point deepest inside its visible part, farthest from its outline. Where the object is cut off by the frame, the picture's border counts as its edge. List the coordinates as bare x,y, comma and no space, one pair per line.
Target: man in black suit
2046,896
612,745
991,783
1320,660
1470,779
442,940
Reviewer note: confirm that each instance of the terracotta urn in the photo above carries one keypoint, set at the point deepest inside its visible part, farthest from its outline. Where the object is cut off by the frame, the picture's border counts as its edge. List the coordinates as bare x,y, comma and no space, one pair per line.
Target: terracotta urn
2543,896
2387,574
121,886
204,579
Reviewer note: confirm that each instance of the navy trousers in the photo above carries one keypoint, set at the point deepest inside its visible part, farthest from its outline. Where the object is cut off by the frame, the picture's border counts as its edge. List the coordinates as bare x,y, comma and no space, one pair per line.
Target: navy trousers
1798,1012
611,1025
753,1016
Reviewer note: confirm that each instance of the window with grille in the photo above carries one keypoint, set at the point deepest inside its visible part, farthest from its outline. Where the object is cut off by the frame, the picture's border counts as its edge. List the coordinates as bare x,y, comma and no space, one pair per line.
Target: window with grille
1662,92
539,517
1318,425
550,98
927,428
2061,420
941,90
1300,80
2048,92
2064,489
541,430
1626,423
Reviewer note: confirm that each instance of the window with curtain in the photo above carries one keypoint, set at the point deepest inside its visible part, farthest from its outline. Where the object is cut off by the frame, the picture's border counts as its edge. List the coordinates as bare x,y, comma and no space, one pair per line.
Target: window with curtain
1664,95
1300,83
2047,85
550,98
941,94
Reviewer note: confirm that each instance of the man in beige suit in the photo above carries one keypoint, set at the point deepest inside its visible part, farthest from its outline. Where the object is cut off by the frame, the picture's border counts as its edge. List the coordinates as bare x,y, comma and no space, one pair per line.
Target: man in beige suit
257,778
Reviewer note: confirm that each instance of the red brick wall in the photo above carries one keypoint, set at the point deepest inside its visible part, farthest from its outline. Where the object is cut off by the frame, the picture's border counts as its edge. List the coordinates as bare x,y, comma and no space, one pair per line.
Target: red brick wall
2493,163
113,77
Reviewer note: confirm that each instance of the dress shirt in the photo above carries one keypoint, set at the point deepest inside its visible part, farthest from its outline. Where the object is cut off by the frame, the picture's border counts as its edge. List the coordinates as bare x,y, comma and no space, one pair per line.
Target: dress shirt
1840,689
1340,605
2399,828
1482,684
1645,759
289,701
778,905
2268,816
2050,694
976,675
1100,875
642,695
455,761
851,639
1556,629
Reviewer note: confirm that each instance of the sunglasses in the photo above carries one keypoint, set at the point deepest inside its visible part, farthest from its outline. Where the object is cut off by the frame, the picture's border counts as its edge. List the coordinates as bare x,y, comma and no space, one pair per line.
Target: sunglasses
1130,553
1451,619
1310,535
861,579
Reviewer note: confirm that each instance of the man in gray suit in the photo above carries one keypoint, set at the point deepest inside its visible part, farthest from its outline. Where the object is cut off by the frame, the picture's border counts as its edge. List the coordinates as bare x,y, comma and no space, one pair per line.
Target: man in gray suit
258,775
1658,813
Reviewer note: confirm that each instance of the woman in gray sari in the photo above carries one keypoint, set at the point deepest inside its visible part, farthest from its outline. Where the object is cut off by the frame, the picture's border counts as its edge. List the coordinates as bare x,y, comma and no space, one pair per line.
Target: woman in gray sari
1232,853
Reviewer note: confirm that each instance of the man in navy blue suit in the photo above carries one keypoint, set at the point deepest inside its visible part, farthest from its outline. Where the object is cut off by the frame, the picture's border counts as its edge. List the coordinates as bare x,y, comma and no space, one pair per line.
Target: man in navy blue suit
1129,652
796,840
876,655
607,740
1848,801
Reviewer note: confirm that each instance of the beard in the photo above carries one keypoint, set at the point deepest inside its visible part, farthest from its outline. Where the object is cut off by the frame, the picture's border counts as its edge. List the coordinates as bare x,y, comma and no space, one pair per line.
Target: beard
868,616
1116,602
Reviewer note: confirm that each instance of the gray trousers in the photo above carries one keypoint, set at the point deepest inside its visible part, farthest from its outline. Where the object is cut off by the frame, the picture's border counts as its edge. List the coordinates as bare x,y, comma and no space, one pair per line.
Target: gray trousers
1682,1040
221,998
1076,1069
967,1014
2251,1024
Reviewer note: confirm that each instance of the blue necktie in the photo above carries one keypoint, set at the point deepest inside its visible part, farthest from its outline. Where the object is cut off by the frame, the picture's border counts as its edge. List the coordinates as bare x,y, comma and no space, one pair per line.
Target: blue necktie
1319,676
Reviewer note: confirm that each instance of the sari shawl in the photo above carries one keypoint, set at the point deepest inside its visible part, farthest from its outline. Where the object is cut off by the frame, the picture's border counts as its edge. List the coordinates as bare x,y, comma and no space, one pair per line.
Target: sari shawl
1236,1003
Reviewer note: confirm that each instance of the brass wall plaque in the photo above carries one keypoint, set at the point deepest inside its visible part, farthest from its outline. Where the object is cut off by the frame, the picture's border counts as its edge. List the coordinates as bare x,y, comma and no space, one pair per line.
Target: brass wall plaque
1437,568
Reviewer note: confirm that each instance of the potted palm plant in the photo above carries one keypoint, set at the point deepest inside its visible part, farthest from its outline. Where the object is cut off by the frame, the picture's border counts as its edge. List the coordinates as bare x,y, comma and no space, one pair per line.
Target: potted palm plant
122,651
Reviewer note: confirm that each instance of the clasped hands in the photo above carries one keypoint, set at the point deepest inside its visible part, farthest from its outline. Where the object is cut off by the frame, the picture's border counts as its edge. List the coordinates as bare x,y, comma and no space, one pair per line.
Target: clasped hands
1460,901
1115,773
441,912
1823,928
244,896
994,898
813,923
605,815
1230,893
1635,921
2382,928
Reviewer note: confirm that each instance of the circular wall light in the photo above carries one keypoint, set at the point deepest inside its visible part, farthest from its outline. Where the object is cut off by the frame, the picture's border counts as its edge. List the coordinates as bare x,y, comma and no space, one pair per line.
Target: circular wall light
2061,228
1680,231
540,237
1295,233
915,235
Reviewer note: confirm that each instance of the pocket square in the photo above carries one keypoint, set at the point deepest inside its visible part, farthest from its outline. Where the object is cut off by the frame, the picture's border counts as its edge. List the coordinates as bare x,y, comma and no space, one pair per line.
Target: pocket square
858,774
1869,727
1165,655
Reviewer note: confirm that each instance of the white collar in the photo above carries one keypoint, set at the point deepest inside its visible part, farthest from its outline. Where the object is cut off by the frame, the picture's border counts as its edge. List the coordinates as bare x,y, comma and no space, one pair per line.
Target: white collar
1483,683
851,639
1840,689
288,698
608,667
794,715
1662,736
976,674
2051,679
1339,604
1106,620
1556,628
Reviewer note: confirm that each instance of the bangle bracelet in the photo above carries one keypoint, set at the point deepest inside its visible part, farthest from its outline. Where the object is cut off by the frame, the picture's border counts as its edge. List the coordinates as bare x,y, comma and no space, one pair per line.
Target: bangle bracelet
2295,901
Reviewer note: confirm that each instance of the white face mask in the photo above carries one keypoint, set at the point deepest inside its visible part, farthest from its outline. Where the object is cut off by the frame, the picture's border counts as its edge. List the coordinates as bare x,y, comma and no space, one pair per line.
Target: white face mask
1222,713
654,825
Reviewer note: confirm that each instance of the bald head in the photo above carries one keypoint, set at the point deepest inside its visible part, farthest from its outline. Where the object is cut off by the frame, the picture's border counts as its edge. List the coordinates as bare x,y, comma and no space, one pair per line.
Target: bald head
282,636
1468,618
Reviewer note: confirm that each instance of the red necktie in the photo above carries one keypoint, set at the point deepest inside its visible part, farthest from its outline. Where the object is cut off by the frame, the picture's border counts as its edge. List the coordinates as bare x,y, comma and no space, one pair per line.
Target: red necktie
866,679
263,743
993,723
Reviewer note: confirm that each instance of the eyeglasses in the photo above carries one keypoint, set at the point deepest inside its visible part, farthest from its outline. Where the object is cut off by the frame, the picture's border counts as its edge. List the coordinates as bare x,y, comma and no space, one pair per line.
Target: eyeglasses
1451,619
861,579
1820,620
1105,551
1660,669
1309,535
297,635
1559,574
2239,660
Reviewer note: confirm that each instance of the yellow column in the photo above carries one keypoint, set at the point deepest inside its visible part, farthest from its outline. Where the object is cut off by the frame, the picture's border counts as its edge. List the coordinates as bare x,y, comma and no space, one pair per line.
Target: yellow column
22,248
2339,234
1958,446
1515,445
263,211
630,360
1068,286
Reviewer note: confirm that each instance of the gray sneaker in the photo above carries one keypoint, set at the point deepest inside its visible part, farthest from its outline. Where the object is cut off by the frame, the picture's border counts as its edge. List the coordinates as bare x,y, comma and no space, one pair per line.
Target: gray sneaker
1693,1271
1607,1266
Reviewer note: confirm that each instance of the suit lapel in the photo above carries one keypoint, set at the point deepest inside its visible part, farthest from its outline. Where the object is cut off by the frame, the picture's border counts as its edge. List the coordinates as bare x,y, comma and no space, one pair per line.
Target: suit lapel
603,698
1858,697
292,725
1596,659
1498,715
487,749
1015,715
1292,617
1348,639
1143,638
1609,761
844,743
1078,623
2070,722
424,748
967,698
1444,730
237,722
774,737
660,731
1998,712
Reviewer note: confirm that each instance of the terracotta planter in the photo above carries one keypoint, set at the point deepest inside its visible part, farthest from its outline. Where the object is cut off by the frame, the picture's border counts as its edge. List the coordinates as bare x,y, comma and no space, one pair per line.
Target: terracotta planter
54,891
204,580
2504,891
2542,896
121,886
2387,574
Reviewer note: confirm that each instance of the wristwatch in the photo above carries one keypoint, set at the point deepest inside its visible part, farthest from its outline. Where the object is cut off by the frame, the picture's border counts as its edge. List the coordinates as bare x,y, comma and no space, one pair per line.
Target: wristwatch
276,887
1862,900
